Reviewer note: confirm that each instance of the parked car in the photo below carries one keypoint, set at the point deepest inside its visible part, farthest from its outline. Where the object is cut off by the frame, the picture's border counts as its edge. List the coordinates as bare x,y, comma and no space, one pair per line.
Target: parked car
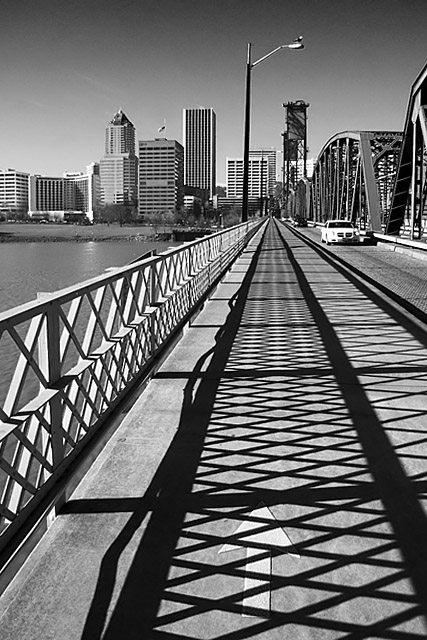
299,221
339,232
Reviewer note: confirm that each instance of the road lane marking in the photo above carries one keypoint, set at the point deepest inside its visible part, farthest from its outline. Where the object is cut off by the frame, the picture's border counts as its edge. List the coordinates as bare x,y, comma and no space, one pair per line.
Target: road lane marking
258,534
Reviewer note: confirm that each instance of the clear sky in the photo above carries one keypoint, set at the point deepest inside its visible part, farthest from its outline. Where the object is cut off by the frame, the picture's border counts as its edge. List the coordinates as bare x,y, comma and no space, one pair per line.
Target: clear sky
68,65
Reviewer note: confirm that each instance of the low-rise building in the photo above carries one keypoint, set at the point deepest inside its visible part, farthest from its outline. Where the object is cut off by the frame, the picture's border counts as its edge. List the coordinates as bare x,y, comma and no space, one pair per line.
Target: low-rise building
14,187
193,205
234,205
73,194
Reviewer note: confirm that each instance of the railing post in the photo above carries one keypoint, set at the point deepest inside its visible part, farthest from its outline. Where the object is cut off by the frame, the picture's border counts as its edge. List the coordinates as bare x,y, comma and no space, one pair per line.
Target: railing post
152,297
193,273
210,261
50,365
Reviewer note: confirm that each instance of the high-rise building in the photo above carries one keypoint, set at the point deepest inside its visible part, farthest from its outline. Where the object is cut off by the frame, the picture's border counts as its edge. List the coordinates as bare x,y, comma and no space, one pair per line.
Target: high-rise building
271,155
161,176
119,165
13,191
199,136
258,178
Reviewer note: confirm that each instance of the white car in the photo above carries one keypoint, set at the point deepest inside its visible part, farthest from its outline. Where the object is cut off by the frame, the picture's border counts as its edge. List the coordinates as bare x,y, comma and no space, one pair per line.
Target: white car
339,231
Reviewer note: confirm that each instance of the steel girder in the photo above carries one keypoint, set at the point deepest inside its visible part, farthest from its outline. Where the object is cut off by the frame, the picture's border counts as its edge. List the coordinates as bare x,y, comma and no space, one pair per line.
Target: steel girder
408,206
353,177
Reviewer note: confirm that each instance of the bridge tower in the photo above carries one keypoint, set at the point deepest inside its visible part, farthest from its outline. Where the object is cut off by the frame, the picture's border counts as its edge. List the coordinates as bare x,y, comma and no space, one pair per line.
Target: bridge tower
294,151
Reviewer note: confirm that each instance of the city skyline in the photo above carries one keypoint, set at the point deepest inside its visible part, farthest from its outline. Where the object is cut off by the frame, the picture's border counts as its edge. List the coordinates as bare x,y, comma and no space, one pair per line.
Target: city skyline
68,66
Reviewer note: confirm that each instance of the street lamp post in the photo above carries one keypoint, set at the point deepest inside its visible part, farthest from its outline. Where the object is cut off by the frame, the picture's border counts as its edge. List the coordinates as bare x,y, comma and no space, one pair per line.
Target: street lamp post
296,44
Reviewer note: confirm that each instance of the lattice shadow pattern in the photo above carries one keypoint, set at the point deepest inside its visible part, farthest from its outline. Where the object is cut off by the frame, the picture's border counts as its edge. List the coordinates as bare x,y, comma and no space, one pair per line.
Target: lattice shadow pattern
311,404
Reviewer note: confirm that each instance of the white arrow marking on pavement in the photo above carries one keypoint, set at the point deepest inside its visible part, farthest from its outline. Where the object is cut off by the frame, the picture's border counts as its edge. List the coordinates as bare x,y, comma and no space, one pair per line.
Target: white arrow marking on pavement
259,533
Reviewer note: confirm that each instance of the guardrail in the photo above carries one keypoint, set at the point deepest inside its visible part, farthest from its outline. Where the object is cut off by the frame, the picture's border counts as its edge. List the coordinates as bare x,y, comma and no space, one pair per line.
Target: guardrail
70,357
401,241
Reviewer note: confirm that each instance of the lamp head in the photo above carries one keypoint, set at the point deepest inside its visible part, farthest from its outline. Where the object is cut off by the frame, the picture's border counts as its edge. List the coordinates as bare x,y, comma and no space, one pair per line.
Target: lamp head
296,43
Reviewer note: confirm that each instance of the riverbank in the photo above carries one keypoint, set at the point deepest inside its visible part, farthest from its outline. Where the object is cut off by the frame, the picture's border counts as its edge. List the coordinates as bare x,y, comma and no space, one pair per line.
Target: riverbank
77,233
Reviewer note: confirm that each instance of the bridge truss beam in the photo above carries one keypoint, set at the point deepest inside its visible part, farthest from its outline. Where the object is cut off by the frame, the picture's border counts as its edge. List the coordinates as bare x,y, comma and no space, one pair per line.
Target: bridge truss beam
409,200
353,178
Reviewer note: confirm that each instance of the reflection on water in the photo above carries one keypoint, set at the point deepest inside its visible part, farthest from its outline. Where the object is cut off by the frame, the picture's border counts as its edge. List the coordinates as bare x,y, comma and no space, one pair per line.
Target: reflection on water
27,268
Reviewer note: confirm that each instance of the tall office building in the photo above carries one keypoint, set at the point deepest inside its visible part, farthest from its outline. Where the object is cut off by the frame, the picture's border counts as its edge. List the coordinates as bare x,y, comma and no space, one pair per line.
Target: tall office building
119,165
161,176
271,156
258,178
13,191
199,136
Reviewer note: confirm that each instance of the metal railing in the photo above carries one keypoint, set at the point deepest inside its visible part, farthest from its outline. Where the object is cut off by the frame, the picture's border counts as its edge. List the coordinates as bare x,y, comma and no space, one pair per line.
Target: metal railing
69,357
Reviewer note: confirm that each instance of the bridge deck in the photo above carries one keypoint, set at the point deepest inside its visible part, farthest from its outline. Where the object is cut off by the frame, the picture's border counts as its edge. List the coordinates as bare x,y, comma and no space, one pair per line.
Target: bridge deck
288,422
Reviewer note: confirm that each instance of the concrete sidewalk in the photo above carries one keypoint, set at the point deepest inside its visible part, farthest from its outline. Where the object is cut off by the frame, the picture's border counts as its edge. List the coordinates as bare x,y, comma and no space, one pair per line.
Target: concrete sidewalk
268,483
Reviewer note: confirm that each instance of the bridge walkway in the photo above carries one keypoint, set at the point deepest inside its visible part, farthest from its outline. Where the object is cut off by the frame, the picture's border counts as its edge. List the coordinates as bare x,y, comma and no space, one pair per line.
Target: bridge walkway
270,482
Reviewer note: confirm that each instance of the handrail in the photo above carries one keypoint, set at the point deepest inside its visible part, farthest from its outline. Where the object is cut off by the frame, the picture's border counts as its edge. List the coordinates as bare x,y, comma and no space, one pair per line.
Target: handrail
71,356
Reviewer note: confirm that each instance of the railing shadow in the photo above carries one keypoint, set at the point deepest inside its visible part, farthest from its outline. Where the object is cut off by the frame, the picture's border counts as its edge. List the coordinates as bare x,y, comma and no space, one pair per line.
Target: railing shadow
290,411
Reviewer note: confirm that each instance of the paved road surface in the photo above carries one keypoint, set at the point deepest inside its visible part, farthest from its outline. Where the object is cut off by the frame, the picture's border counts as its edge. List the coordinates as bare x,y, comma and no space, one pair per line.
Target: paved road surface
270,483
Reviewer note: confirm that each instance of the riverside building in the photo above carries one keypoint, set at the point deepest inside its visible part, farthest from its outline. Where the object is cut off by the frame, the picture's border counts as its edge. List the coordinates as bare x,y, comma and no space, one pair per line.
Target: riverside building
46,195
82,190
161,176
74,195
13,191
199,137
119,165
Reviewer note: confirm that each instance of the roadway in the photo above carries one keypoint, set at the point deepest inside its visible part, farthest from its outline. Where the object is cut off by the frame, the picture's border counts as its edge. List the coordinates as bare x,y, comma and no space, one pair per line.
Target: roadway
269,482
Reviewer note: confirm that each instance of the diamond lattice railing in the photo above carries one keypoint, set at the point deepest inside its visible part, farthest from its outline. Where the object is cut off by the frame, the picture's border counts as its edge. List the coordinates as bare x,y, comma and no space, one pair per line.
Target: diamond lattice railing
70,356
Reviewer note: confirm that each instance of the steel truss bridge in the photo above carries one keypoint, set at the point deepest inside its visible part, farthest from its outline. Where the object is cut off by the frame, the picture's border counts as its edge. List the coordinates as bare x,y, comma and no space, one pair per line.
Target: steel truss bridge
70,358
376,179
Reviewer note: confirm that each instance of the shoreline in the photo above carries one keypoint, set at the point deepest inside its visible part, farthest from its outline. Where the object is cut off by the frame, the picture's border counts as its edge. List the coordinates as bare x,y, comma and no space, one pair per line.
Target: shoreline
27,233
77,238
74,233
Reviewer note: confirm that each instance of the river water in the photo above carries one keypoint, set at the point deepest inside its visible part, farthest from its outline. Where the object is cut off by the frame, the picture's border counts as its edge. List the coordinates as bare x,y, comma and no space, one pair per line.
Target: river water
27,268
